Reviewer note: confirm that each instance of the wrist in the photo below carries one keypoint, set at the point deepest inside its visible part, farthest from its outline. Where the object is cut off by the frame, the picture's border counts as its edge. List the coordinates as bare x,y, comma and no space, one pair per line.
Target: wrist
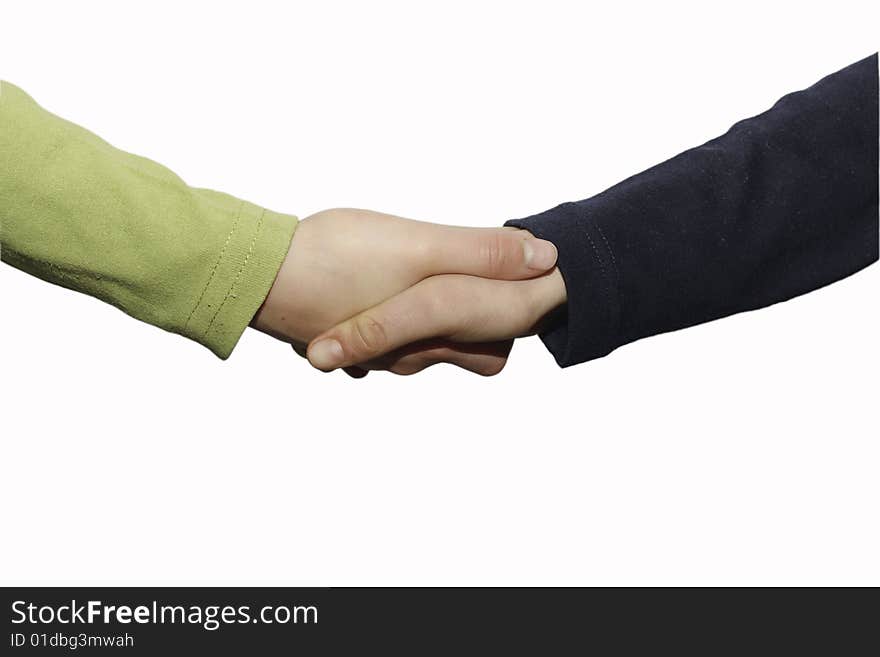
277,314
551,302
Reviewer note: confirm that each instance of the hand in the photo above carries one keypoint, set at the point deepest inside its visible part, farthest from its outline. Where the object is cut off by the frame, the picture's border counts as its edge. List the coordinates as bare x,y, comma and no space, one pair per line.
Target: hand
342,262
434,321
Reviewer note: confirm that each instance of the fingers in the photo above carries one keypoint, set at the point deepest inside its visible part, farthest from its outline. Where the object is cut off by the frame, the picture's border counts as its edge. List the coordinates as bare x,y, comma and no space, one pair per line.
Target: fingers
459,308
299,348
486,359
403,319
499,253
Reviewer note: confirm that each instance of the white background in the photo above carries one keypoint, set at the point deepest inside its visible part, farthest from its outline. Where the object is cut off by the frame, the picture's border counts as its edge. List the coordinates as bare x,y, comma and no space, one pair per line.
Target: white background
744,451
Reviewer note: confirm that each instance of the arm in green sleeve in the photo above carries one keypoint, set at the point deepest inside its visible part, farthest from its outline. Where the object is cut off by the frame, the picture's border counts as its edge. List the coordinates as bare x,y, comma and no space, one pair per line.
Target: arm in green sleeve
80,213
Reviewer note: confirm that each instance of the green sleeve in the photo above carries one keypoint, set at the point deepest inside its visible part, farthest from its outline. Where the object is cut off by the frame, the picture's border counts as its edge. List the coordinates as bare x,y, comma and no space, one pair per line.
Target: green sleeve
80,213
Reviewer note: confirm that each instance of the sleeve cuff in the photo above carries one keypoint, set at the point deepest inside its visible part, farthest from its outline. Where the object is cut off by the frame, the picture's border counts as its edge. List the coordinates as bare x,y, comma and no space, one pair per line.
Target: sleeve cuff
241,278
590,323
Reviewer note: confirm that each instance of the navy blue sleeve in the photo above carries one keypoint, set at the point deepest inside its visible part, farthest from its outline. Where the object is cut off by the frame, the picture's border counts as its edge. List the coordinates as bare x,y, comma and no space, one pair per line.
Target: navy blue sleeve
783,203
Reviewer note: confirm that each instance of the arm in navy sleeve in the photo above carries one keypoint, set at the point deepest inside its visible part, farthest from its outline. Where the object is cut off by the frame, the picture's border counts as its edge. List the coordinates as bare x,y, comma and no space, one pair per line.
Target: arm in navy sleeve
782,204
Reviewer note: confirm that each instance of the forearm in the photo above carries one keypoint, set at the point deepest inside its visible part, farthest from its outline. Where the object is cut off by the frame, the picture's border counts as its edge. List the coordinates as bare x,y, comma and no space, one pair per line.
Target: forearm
77,212
782,204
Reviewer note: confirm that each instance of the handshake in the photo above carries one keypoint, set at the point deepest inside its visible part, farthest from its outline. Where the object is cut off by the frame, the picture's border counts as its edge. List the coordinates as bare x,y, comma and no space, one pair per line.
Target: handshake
783,203
361,290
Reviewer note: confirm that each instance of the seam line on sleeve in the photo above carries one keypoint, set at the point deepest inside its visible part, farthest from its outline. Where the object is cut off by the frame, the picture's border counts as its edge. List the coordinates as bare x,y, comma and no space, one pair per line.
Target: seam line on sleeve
216,265
616,284
230,292
606,263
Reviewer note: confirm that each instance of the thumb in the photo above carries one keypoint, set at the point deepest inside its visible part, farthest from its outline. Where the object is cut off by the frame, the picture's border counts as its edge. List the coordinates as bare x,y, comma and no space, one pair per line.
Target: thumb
408,317
456,307
499,253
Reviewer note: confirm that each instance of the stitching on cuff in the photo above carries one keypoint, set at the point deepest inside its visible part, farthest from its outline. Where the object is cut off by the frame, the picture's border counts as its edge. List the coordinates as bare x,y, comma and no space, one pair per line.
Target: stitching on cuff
610,276
230,294
216,264
618,309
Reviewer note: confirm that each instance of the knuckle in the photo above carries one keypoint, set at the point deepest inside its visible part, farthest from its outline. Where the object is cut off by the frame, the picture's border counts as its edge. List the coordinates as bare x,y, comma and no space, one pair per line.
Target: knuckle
406,367
493,367
412,364
495,252
368,335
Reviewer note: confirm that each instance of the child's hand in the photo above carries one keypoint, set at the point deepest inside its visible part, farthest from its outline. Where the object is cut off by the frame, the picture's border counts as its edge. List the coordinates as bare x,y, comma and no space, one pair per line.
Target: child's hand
463,320
342,262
